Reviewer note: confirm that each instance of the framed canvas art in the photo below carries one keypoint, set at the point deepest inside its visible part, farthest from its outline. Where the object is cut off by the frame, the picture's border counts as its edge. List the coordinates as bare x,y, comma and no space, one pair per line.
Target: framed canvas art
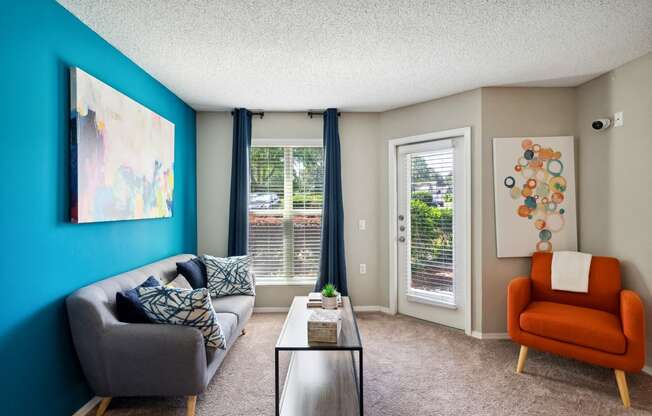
535,196
121,155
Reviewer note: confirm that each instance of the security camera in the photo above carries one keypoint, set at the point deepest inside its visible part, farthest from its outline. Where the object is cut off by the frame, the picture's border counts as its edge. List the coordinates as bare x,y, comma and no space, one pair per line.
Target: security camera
601,124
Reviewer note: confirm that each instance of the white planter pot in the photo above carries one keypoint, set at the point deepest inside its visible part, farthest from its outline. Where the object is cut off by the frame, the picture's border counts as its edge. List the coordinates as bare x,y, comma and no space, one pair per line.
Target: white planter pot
329,303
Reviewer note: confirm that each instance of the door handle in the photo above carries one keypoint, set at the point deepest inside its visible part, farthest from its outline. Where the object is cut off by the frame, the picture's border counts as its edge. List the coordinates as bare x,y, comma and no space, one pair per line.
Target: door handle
401,239
401,217
402,228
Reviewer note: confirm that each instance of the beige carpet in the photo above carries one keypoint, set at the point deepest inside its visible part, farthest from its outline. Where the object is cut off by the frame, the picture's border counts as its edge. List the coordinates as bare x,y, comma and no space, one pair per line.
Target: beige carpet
416,368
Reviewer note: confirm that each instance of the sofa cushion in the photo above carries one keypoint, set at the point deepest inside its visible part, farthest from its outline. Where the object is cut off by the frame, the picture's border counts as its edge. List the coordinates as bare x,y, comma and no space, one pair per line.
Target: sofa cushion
193,308
127,304
228,323
194,271
229,275
241,306
590,328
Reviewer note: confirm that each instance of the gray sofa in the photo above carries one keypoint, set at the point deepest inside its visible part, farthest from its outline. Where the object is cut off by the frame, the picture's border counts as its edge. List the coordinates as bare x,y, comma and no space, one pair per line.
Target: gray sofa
121,359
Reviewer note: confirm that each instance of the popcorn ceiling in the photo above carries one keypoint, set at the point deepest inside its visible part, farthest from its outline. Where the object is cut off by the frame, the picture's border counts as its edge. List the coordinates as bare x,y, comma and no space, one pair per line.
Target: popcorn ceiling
365,55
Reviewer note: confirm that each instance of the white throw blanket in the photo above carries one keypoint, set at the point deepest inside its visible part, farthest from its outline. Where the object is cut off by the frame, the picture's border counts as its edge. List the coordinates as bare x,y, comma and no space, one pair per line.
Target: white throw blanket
570,271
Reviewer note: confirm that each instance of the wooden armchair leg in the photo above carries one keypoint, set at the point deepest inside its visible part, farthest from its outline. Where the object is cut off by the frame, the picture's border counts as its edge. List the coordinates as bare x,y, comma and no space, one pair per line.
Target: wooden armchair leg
244,332
621,380
104,403
522,355
190,405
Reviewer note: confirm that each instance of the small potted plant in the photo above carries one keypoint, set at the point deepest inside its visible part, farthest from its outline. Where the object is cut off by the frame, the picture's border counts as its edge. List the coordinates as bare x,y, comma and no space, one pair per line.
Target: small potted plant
329,297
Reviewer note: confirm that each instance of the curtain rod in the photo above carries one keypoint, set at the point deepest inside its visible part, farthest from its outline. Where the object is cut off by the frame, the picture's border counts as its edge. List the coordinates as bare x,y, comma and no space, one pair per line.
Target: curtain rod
319,113
311,114
254,113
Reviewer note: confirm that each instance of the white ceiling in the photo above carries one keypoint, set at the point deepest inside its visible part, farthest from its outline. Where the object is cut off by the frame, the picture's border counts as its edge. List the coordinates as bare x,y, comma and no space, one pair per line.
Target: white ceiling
365,55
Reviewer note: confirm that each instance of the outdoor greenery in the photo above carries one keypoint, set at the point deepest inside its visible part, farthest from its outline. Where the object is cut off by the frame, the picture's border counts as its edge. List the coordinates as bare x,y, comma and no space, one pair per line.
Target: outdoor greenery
266,168
267,165
423,196
308,170
433,227
307,200
431,212
422,173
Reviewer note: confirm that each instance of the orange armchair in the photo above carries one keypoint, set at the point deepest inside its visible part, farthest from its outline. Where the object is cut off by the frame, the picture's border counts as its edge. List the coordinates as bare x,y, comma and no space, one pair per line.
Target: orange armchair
605,326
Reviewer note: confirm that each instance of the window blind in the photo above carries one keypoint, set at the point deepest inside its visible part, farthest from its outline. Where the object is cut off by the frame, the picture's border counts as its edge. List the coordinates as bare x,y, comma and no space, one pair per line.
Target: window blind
431,183
285,207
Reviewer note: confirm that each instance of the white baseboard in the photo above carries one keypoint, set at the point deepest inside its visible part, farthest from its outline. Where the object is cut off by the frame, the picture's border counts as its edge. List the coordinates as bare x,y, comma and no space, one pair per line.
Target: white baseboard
361,308
86,409
371,308
647,370
271,309
489,335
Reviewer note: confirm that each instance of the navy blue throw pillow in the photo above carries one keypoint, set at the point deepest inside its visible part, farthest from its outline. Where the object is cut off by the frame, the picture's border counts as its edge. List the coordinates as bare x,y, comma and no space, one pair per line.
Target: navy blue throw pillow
194,271
128,303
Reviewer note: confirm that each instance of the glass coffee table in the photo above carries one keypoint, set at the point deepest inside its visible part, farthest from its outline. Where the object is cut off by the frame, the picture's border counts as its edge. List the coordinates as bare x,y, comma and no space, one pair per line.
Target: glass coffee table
322,379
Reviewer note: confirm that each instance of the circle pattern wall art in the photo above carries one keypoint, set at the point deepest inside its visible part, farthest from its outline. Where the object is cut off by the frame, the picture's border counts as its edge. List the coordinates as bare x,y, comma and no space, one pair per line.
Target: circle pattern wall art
535,195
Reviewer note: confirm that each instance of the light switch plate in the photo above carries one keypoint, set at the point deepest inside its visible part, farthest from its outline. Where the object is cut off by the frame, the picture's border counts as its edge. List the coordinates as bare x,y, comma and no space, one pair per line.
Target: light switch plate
363,268
362,225
618,119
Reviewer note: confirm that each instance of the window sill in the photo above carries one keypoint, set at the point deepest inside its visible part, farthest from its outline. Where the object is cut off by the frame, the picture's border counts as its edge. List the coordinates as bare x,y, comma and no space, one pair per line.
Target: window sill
431,300
285,282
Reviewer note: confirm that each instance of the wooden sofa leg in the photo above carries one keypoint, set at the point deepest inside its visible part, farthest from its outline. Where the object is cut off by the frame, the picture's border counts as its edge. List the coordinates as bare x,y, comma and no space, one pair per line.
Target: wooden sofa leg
104,403
244,332
522,355
622,387
190,405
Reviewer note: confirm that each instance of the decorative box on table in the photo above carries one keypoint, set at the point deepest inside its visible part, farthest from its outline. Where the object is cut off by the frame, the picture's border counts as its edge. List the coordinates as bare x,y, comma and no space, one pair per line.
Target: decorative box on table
324,326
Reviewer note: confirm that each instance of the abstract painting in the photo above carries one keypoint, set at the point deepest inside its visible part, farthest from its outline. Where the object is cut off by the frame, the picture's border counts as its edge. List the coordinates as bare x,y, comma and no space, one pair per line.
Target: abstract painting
121,155
534,184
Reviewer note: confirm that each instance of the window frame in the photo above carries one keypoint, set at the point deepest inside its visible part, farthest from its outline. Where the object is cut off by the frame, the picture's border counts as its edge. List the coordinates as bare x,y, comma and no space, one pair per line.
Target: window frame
285,142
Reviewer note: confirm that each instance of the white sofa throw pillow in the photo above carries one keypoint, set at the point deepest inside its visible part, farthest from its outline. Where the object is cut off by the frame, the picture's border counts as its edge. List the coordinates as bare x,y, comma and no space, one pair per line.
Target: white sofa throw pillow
229,276
193,308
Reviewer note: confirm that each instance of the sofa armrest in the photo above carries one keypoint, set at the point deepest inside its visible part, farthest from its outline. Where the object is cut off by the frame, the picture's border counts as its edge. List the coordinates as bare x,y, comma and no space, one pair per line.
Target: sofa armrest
518,297
153,360
632,317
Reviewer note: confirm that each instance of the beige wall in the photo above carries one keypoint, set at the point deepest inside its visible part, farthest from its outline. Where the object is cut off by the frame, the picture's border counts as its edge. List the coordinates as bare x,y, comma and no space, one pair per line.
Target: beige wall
214,131
460,110
615,179
358,136
490,112
512,112
614,184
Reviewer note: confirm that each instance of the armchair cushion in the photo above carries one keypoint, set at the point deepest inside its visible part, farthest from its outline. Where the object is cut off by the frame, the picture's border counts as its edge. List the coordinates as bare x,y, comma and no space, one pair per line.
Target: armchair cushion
591,328
604,284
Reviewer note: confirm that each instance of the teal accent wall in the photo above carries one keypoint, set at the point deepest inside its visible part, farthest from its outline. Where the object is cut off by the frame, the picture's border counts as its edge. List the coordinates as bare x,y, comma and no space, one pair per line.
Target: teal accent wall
44,257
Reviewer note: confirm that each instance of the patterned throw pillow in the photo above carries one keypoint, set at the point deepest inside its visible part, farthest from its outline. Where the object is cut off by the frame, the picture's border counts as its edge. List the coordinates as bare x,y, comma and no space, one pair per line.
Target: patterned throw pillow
229,276
166,305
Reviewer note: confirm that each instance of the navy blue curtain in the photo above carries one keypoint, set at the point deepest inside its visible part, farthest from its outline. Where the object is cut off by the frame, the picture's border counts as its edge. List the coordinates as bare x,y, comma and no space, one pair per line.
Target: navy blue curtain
332,264
238,212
